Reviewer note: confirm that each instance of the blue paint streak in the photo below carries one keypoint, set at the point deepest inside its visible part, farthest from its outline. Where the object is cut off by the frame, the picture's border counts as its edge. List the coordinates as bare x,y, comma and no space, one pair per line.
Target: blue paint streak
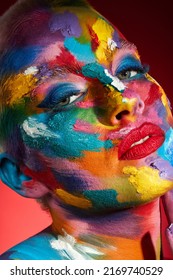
16,59
72,181
15,178
68,143
35,248
83,52
166,150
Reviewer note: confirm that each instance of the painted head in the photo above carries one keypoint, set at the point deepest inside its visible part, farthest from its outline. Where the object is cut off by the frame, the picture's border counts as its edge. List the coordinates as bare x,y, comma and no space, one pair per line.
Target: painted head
81,120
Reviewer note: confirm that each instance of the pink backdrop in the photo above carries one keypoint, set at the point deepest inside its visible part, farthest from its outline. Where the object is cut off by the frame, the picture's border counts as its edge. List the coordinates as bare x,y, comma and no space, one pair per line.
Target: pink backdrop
148,25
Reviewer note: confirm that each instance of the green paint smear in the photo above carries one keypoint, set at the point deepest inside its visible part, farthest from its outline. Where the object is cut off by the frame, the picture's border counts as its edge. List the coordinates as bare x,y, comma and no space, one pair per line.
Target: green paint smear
102,199
10,118
89,116
66,142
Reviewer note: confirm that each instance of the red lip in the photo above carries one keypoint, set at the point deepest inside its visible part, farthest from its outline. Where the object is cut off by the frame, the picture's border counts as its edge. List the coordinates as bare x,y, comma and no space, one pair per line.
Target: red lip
151,135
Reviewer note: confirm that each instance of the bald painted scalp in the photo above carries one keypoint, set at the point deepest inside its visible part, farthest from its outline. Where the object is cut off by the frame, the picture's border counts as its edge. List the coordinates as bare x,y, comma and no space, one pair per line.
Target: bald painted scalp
10,20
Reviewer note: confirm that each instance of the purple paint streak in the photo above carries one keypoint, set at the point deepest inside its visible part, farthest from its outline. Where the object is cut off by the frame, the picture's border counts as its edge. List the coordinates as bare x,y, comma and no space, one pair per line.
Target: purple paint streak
44,71
116,39
67,23
164,167
170,228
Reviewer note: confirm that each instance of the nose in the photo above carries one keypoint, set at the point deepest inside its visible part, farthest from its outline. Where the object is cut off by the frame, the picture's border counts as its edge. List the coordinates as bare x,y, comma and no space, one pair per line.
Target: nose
127,111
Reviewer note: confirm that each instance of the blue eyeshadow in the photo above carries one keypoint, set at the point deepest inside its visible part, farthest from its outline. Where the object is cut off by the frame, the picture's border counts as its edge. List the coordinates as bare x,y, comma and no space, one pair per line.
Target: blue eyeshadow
129,63
57,93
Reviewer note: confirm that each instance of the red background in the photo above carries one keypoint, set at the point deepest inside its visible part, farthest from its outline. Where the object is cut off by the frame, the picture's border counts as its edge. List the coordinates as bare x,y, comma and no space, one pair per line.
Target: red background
148,24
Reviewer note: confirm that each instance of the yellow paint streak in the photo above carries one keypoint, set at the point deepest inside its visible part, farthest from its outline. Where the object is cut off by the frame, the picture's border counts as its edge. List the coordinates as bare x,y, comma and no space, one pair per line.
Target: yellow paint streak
117,104
73,200
19,86
60,223
114,97
124,249
158,248
147,182
104,32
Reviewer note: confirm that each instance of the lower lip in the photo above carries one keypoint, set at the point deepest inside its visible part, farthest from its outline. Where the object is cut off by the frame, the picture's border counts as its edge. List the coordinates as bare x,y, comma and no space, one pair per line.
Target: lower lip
155,140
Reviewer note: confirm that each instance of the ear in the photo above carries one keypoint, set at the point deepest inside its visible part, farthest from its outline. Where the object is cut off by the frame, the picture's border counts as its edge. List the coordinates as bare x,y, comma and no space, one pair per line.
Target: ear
12,176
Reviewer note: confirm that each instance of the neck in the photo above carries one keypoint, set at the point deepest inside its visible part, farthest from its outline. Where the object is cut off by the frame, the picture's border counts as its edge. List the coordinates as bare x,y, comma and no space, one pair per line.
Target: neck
128,234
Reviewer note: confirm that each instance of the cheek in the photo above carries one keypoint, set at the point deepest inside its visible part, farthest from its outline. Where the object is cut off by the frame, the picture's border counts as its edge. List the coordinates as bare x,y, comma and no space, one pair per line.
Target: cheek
157,103
55,135
147,91
154,94
72,140
154,98
157,113
138,88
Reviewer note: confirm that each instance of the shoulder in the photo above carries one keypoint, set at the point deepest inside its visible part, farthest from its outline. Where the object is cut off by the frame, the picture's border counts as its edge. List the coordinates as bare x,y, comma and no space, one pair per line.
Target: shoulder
38,247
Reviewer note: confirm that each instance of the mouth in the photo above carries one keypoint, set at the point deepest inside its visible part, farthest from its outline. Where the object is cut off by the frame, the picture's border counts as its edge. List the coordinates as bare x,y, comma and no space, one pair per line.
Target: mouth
141,142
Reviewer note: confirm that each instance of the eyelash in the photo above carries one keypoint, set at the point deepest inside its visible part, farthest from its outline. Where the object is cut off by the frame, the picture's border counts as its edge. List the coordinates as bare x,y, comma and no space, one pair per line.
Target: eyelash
75,97
61,97
138,69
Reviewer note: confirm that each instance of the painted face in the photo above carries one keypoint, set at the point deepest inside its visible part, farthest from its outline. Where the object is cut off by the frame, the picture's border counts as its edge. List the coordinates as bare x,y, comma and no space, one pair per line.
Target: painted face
94,126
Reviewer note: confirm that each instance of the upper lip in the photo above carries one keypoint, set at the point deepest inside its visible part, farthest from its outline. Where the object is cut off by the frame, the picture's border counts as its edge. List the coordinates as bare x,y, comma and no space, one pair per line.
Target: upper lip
141,141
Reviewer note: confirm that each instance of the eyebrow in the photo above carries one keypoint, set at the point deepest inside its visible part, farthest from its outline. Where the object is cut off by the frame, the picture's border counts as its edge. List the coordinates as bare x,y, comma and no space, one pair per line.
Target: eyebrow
45,71
128,45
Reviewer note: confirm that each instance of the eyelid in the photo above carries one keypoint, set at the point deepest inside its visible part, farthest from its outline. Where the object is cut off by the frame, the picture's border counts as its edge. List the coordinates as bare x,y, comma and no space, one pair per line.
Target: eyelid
58,93
59,108
74,97
130,63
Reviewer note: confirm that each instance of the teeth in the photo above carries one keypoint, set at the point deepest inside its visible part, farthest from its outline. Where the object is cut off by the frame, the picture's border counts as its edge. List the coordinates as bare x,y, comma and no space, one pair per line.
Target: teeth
140,141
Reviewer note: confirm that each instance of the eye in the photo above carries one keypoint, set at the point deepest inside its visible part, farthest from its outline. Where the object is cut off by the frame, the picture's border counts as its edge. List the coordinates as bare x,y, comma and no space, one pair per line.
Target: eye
131,68
70,99
127,74
62,96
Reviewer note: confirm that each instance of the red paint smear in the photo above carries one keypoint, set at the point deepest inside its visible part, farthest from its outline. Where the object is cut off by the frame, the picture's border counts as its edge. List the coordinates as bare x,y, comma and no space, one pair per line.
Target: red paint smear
94,39
66,60
154,94
44,177
146,209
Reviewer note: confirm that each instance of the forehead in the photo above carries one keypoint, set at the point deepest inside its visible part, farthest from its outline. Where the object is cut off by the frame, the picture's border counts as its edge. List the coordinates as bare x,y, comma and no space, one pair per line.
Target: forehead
79,35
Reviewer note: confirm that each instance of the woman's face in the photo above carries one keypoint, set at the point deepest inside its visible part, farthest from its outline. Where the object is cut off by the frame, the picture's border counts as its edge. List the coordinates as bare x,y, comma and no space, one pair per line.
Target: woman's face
96,130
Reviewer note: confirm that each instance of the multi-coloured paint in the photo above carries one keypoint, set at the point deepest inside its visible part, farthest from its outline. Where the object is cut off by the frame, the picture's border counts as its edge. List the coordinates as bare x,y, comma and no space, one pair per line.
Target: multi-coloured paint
89,129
